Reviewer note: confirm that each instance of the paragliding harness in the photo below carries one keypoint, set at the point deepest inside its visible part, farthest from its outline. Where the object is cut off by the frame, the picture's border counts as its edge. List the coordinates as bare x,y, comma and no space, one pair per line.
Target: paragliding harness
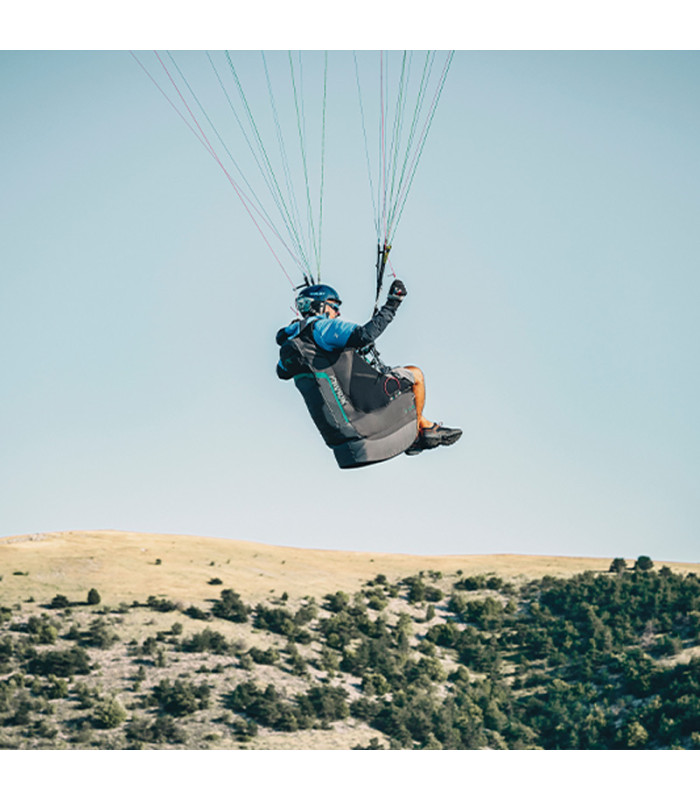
365,415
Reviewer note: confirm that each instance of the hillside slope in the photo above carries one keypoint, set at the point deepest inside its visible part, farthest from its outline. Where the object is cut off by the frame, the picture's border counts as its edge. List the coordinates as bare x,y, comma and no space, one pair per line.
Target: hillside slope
114,640
124,566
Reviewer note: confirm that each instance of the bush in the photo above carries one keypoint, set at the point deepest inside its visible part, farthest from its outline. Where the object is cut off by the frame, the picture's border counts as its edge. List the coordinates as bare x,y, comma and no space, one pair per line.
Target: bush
433,594
376,600
164,730
180,698
244,730
100,634
336,602
54,689
471,583
161,604
60,601
108,713
41,630
618,565
197,613
643,564
62,663
266,707
230,607
207,640
416,589
93,598
306,613
325,702
277,620
268,656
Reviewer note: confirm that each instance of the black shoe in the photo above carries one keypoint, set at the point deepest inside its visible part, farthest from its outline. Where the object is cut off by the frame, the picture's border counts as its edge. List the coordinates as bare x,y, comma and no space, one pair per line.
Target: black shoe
416,448
439,435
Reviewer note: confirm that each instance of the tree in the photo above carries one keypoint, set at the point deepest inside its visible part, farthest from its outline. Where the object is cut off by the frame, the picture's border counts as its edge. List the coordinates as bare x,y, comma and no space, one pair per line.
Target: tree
108,713
643,564
336,602
230,607
62,663
60,601
635,735
618,565
180,698
93,598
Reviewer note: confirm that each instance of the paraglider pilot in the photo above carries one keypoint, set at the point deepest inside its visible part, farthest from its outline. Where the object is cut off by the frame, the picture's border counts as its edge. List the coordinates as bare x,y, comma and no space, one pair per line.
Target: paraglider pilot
341,389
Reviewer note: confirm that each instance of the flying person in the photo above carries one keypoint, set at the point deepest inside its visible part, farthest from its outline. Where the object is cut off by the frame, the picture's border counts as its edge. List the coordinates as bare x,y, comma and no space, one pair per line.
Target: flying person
365,414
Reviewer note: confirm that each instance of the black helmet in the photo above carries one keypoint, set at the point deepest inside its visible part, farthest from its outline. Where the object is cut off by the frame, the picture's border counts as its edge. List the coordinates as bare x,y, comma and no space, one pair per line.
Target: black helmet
312,299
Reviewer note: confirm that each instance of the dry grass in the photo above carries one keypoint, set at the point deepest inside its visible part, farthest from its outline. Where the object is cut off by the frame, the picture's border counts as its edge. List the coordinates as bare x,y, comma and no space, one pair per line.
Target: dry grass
123,567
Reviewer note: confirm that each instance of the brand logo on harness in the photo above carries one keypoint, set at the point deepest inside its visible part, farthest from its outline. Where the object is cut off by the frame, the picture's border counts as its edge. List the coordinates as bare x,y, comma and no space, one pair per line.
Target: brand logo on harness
338,391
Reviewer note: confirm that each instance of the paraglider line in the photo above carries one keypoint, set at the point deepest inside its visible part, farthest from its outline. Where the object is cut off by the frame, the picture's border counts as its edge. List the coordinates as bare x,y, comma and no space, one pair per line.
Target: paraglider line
247,204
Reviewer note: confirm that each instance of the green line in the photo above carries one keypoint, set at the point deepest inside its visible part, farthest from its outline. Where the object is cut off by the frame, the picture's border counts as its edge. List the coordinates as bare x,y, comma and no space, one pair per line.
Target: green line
323,160
302,145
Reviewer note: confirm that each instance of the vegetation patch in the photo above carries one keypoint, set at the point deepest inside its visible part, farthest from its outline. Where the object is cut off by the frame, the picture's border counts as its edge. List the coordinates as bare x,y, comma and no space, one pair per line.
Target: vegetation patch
600,660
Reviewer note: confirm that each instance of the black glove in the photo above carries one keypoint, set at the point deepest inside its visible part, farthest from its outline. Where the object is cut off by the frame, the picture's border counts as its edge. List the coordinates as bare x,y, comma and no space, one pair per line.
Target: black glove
397,291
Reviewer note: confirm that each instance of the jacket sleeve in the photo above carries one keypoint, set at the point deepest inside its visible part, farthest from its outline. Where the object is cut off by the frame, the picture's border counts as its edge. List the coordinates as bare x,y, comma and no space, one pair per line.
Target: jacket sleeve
282,373
281,337
367,333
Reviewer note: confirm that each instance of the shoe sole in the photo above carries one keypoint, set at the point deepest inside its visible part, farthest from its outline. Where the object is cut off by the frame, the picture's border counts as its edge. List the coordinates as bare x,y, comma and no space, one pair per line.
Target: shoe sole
446,440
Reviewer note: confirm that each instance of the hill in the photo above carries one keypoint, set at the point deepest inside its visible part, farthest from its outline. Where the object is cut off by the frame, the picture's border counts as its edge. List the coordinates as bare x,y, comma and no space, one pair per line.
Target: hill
114,640
125,565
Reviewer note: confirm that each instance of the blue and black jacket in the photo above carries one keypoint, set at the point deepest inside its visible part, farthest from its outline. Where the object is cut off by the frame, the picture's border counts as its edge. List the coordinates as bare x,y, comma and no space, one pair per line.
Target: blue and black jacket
363,414
337,334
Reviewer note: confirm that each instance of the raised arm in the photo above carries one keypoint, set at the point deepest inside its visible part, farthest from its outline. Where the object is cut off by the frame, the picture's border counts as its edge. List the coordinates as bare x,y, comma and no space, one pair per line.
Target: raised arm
368,333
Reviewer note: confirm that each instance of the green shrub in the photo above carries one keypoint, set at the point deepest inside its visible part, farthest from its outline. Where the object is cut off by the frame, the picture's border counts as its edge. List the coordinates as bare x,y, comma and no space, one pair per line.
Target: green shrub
336,602
197,613
99,634
41,630
643,564
266,707
244,730
230,607
327,703
207,640
269,656
108,713
277,620
472,583
161,604
93,598
62,663
181,697
55,688
60,601
163,730
306,613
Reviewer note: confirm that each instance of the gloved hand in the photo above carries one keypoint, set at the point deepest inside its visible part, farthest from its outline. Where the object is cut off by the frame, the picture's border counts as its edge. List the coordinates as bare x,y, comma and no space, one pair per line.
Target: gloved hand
397,291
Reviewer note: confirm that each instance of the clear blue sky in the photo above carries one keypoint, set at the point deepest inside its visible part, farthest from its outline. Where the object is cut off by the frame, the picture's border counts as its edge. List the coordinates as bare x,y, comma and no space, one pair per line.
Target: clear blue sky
550,247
